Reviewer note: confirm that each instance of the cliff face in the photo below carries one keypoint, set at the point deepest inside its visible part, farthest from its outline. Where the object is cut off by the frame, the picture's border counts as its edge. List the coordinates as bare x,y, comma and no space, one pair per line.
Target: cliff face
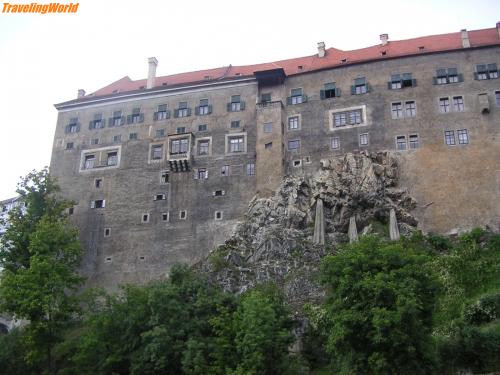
280,239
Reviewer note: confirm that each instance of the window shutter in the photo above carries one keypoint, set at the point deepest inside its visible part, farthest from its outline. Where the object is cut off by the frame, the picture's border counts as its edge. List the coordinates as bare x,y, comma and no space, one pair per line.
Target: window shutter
434,80
91,125
242,105
304,98
389,85
322,94
141,117
475,76
129,119
103,123
92,204
353,90
103,203
77,127
414,82
229,107
155,116
337,92
460,77
196,110
289,100
368,87
195,170
210,109
176,113
189,111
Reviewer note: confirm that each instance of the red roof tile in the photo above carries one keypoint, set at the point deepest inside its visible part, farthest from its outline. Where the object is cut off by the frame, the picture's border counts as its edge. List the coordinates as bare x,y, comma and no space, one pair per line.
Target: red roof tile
334,57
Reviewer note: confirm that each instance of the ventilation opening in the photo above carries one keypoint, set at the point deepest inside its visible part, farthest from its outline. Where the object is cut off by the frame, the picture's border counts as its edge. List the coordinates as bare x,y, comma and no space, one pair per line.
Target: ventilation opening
218,215
108,259
145,218
183,215
164,216
107,232
297,163
142,258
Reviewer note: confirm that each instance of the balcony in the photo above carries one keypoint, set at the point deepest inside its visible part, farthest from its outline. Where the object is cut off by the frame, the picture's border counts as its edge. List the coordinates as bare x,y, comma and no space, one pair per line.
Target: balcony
179,155
273,104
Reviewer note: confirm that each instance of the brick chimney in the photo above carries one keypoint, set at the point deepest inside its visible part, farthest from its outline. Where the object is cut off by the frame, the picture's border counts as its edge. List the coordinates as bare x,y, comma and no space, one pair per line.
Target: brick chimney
81,93
153,63
321,49
384,38
465,38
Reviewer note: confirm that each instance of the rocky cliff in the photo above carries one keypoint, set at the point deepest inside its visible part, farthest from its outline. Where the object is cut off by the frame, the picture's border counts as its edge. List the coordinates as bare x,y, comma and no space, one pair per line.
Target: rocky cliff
283,238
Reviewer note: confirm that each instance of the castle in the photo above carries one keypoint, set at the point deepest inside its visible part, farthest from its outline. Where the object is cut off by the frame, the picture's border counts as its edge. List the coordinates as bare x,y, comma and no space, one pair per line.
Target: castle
162,169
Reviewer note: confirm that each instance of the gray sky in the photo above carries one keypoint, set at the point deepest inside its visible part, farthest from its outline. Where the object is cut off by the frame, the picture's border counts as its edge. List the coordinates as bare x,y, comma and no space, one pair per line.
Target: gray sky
45,59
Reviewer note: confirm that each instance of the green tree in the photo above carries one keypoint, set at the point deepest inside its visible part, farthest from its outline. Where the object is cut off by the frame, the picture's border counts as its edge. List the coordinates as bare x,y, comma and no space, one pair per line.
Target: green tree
380,306
39,253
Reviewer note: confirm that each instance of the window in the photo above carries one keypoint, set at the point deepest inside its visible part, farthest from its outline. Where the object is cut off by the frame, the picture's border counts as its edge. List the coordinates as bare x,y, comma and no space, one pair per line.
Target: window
458,103
203,147
268,127
109,259
363,139
159,197
165,216
296,97
236,144
444,105
335,143
99,203
117,138
98,183
236,104
360,86
445,76
218,215
463,136
107,232
162,113
160,133
181,130
397,110
414,141
132,136
69,145
89,162
268,146
235,124
200,174
145,218
157,152
97,122
329,91
224,170
202,128
497,98
294,144
293,123
204,108
265,98
340,119
112,158
449,137
164,177
218,193
352,117
183,110
179,146
401,142
117,119
355,117
297,163
410,108
71,210
250,169
94,141
486,71
136,117
73,126
399,81
183,215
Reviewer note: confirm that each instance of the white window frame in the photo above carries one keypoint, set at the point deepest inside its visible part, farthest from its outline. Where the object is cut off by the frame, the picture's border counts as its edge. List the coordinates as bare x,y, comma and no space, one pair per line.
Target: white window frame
364,118
235,135
367,140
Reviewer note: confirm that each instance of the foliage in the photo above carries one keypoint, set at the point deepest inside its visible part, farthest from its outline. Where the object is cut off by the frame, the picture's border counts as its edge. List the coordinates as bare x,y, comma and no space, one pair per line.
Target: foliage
486,309
12,354
380,304
40,252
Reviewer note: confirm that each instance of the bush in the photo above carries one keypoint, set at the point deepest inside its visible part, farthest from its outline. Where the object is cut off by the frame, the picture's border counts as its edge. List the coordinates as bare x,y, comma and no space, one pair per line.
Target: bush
485,310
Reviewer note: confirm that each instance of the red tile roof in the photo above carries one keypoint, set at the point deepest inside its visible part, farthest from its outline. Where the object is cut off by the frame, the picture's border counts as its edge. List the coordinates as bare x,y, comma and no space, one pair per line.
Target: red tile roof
333,58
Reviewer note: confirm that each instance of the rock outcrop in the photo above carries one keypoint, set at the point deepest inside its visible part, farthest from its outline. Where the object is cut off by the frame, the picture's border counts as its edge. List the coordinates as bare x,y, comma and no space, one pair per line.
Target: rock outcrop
276,242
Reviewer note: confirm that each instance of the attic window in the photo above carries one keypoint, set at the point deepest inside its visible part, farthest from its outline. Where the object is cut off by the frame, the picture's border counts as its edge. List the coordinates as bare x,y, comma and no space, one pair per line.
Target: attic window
421,48
383,53
343,61
300,67
207,78
237,74
141,87
116,91
164,84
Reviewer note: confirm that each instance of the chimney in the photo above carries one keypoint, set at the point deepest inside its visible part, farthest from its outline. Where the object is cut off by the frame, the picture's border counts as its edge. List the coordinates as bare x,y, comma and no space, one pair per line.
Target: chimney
321,49
465,38
81,93
153,63
498,29
384,38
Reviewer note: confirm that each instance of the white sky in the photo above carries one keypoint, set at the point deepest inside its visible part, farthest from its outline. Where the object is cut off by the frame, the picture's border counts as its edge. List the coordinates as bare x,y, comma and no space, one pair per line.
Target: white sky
45,59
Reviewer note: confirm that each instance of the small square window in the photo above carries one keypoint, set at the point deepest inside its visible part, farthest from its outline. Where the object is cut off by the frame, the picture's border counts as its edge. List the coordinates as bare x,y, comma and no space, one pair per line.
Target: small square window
235,124
268,127
335,143
145,218
202,128
94,141
218,215
108,259
183,215
219,193
132,136
294,144
160,133
297,163
181,129
107,232
160,197
293,123
268,145
250,169
165,216
99,203
363,139
201,174
224,170
98,183
69,145
164,177
142,258
117,138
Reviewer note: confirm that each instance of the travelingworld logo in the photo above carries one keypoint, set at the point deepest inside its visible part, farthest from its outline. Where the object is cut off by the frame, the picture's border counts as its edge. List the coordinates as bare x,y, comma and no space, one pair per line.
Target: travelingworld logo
40,8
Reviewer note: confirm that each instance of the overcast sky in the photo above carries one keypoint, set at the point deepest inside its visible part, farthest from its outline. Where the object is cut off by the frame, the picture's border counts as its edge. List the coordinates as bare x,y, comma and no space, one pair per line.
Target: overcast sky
45,59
